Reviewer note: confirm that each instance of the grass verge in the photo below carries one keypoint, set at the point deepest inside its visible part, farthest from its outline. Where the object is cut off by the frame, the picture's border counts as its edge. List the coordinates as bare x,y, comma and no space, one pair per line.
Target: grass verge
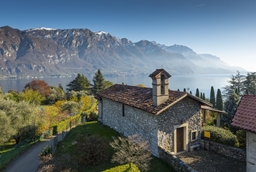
6,147
9,152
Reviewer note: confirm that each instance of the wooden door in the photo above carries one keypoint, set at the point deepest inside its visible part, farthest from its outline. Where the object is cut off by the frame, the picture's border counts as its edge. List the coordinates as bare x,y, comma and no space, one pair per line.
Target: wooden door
180,139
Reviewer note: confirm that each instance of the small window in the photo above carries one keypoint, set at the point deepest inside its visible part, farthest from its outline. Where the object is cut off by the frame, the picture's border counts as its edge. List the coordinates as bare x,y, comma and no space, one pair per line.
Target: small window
123,109
162,84
193,135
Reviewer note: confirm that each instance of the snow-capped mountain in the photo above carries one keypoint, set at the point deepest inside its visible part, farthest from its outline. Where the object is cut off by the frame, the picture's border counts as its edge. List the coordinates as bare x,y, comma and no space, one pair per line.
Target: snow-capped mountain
47,51
41,28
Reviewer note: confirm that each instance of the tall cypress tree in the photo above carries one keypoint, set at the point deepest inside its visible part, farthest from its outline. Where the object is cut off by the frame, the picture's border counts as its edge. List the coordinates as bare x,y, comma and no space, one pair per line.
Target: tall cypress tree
184,90
212,97
197,93
203,96
219,101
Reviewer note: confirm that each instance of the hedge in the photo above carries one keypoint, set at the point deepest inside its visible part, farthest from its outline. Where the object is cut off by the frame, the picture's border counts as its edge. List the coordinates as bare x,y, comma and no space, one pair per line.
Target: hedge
221,135
65,124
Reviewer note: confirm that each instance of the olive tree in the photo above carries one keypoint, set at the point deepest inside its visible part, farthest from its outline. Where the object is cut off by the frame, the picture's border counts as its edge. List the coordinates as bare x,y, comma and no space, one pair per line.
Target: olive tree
132,150
19,120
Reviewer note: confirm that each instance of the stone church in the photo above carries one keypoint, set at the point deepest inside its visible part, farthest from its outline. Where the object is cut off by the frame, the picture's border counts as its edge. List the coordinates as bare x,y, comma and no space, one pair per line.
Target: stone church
169,120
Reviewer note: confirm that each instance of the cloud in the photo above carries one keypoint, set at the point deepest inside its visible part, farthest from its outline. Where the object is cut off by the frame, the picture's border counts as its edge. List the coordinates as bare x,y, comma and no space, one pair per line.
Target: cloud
196,6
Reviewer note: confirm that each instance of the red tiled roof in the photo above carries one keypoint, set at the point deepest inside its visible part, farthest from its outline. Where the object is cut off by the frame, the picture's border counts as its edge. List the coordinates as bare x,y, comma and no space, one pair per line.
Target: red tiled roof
141,98
158,72
245,116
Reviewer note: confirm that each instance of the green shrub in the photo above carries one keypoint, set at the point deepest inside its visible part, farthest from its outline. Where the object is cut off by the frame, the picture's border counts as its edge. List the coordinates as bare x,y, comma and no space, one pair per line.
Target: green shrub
92,150
47,150
61,126
221,135
65,124
241,136
63,163
92,116
124,167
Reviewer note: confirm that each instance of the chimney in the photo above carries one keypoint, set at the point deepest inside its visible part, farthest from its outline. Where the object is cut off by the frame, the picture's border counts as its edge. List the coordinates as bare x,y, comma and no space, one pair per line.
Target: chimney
160,91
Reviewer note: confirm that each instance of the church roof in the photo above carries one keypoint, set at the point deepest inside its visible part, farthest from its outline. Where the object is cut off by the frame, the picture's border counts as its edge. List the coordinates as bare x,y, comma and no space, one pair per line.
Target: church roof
141,98
245,116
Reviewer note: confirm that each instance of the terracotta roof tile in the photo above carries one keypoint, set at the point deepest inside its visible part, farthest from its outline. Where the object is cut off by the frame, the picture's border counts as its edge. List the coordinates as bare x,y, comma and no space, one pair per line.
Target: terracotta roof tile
245,116
139,97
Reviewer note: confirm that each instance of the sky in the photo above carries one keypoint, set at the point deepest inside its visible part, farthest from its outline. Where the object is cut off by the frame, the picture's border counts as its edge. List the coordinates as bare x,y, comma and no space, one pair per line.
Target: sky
225,28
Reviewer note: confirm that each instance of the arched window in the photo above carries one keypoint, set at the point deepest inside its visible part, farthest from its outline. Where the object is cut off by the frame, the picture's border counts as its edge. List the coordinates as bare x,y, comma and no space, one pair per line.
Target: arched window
162,84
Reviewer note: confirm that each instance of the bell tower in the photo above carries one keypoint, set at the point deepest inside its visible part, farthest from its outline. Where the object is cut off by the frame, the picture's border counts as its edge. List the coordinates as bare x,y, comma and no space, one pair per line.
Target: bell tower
160,84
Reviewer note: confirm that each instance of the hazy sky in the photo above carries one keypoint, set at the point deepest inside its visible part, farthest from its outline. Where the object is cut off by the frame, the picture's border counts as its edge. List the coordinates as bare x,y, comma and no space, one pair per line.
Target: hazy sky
225,28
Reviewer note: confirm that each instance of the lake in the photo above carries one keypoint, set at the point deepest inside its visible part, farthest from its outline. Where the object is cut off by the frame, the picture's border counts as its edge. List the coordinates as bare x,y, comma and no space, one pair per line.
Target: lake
190,82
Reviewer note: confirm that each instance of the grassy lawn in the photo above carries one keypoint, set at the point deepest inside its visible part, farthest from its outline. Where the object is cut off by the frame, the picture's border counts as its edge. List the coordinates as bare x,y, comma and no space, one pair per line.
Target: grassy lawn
67,146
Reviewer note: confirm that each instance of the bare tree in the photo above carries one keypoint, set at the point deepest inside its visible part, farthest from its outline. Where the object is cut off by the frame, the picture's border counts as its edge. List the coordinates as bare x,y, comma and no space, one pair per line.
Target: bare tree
132,150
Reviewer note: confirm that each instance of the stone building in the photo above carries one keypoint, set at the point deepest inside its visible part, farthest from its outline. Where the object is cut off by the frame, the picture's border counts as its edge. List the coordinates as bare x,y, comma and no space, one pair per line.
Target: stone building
245,118
169,120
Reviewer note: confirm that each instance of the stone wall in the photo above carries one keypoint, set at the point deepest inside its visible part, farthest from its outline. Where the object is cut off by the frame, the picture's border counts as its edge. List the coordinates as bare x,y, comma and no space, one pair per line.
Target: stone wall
225,150
177,164
251,151
133,121
157,130
186,111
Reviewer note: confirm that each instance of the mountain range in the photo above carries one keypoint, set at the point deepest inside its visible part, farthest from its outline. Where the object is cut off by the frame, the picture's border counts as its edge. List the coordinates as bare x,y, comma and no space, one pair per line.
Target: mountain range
45,52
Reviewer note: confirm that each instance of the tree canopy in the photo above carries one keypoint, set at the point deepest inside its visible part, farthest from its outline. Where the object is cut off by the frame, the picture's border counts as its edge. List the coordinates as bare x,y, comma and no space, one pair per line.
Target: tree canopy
141,85
56,93
80,83
230,106
132,150
250,83
31,96
236,84
18,120
99,83
39,85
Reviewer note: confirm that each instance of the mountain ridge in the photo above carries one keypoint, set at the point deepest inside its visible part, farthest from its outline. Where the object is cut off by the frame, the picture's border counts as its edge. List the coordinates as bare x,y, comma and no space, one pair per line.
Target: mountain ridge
47,52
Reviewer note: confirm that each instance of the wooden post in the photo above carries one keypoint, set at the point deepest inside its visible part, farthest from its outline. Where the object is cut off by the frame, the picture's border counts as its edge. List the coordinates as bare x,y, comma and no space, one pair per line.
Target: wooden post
218,119
207,134
209,144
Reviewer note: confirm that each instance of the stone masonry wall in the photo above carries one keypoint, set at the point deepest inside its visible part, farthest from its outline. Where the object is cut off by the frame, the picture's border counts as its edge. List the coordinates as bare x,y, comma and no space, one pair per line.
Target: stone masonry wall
251,151
134,121
175,162
186,110
225,150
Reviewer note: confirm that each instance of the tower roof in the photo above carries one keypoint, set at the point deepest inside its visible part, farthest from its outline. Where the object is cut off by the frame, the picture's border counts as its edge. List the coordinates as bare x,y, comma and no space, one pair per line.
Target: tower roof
158,72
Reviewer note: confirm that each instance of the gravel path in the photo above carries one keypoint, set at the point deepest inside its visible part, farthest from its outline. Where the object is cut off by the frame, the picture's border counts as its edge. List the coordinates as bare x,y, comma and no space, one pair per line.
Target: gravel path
205,161
29,160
